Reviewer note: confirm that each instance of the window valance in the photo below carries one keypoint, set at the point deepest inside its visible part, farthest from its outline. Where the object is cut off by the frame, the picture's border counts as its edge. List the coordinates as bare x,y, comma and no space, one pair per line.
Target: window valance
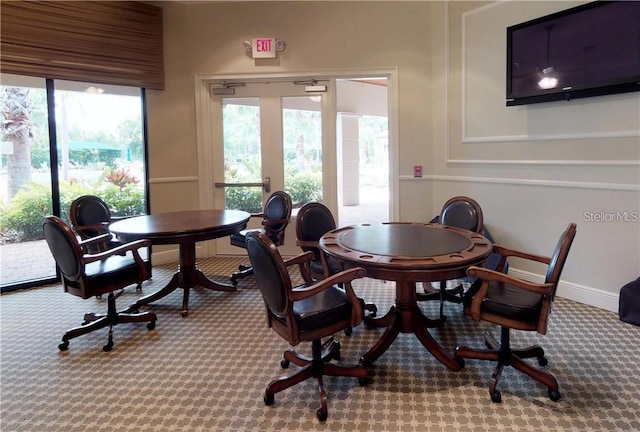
94,41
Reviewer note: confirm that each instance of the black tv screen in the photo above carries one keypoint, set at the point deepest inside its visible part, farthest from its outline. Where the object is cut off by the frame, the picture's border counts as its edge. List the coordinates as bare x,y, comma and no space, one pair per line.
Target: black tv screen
589,50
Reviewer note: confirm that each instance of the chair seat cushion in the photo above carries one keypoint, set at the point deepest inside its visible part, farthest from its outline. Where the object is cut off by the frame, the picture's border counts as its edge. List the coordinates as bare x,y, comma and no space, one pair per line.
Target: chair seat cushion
323,309
115,268
240,238
508,301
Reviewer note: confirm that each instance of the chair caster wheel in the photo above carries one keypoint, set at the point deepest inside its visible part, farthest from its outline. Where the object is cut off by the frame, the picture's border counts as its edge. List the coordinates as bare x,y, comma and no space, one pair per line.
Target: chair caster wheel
107,347
348,331
151,325
322,414
336,351
284,363
542,361
269,399
554,395
64,345
363,382
496,396
460,362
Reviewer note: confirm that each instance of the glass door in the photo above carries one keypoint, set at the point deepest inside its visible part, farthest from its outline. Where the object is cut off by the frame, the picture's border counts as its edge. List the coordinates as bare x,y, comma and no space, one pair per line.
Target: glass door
272,139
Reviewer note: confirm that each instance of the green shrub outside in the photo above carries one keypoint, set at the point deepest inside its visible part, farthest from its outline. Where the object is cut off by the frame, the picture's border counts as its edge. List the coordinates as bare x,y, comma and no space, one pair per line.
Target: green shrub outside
247,199
305,187
21,220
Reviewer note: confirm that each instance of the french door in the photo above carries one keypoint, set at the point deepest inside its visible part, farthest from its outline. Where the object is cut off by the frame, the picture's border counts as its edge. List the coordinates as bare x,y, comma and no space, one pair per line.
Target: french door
267,137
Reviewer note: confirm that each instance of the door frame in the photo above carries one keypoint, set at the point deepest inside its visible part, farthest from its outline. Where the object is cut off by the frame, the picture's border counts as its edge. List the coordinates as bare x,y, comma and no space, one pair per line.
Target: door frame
205,130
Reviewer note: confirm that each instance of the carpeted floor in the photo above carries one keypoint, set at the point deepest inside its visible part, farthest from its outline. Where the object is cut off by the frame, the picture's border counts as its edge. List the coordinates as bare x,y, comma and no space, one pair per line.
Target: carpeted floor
208,371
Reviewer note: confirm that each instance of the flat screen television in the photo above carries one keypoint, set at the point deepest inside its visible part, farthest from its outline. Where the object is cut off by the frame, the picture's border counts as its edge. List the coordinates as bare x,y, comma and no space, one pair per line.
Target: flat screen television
589,50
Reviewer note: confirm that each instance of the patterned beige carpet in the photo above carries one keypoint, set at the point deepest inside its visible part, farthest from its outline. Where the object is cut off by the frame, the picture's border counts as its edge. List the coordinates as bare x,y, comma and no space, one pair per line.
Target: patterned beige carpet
208,371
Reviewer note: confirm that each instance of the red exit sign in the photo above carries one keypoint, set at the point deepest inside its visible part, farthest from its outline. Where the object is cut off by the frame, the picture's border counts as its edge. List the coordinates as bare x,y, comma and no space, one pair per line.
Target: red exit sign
263,48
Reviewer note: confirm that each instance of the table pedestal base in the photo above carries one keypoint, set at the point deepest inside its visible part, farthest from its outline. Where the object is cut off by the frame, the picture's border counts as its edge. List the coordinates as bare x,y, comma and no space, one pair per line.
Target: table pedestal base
406,317
188,276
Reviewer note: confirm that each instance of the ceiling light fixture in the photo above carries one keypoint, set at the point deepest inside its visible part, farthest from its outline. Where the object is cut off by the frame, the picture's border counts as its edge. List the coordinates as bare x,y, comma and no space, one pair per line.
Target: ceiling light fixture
94,90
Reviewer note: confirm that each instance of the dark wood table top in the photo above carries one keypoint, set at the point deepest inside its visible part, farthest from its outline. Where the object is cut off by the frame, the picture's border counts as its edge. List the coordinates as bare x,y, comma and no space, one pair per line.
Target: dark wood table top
408,251
181,226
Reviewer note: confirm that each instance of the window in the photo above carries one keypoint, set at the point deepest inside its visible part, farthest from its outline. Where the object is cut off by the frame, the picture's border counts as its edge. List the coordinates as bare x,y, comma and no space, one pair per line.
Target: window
99,147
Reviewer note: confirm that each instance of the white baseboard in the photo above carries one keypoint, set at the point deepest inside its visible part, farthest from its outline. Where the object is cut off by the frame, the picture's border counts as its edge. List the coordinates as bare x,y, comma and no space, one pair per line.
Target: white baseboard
572,291
569,290
165,257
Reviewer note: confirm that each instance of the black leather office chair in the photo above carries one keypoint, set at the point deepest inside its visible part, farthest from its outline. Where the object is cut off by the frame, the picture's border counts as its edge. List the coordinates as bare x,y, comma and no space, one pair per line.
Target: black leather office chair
275,218
86,275
461,212
309,312
313,220
514,303
90,216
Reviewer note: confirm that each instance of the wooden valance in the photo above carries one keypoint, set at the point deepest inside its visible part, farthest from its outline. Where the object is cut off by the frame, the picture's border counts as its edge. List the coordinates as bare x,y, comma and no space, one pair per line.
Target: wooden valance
108,42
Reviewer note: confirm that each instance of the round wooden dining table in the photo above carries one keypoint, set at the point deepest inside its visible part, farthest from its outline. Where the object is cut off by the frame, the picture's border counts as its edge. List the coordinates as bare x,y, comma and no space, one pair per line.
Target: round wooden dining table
184,228
407,253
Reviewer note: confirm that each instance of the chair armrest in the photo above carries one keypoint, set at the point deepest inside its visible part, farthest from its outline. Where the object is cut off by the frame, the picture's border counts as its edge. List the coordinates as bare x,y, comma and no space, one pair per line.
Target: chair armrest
344,277
506,252
307,243
119,250
100,227
270,222
94,240
486,276
491,275
256,215
302,261
299,259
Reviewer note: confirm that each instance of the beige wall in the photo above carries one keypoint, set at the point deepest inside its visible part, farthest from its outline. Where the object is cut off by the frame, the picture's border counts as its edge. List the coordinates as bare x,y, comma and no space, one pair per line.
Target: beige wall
534,169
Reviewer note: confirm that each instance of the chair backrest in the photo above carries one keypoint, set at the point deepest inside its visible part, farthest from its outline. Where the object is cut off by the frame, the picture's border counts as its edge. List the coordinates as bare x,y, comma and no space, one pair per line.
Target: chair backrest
314,219
554,271
462,212
559,256
270,272
89,211
64,247
277,213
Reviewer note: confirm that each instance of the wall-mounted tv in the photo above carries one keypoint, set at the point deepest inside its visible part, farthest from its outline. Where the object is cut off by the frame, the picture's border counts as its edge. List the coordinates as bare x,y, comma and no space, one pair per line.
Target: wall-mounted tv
589,50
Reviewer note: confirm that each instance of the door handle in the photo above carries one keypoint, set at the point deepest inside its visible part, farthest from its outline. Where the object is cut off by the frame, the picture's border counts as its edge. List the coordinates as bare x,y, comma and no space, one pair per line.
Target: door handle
266,185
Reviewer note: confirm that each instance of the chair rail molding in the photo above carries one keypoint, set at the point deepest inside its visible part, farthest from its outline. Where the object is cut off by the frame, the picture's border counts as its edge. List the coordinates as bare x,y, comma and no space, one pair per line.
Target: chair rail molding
558,162
627,133
159,180
529,182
